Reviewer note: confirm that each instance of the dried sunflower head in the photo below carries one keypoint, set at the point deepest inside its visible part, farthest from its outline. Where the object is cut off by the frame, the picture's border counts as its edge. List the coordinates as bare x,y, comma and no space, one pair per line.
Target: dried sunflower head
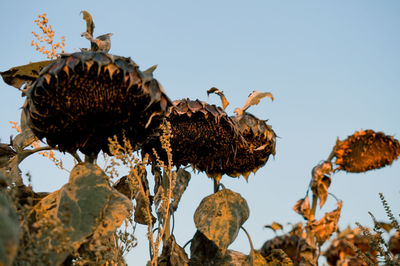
366,150
202,135
340,249
259,144
82,99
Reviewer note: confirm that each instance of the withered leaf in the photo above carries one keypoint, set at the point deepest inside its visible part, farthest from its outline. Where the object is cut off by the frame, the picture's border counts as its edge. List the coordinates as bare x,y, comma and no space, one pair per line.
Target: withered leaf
6,153
224,101
172,254
386,226
327,225
10,230
89,22
182,181
274,226
220,215
302,207
17,76
254,99
321,181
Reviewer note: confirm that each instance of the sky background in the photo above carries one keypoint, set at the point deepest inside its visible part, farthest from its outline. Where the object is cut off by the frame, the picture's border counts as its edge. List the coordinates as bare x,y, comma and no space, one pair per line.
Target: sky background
332,66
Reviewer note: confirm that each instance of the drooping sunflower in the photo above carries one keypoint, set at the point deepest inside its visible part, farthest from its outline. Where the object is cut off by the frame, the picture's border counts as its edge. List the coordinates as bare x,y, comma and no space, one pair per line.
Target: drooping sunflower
82,99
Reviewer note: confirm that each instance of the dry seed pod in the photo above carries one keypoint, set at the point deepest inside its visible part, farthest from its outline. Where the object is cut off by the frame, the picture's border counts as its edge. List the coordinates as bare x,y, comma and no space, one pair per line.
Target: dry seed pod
259,144
366,150
82,99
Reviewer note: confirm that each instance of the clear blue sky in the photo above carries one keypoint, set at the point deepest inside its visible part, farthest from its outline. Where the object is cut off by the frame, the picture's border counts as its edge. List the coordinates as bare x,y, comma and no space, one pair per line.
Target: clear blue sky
333,67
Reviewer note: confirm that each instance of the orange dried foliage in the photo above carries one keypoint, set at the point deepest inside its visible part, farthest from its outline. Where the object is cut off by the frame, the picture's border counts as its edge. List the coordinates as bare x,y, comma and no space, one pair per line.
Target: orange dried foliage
36,144
48,38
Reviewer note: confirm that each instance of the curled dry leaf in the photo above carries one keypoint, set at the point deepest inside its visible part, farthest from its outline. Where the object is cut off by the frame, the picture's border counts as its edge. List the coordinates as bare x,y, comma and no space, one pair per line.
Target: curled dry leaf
394,243
254,99
321,181
274,226
89,22
366,150
302,207
224,101
220,216
327,225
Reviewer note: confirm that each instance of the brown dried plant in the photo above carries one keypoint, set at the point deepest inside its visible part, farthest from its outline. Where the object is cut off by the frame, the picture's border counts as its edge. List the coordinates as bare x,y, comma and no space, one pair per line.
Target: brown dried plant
47,37
123,155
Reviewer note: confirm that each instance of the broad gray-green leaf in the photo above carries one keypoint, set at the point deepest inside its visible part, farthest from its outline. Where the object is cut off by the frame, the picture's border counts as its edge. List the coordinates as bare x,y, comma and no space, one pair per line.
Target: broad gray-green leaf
220,215
9,232
224,101
19,75
85,206
182,181
254,99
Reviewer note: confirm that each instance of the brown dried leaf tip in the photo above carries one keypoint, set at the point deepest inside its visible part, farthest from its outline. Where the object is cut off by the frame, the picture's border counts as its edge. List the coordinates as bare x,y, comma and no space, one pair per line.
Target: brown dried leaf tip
82,99
366,150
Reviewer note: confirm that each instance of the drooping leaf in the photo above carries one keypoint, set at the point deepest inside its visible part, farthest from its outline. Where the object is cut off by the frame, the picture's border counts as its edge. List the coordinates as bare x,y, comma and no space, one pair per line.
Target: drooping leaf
220,216
172,254
9,233
253,99
321,181
89,22
302,207
224,101
386,226
274,226
17,76
182,181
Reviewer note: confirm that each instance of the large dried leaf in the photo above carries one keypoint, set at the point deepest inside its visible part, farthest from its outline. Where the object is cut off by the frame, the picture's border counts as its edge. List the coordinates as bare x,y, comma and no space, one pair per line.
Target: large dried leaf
9,230
220,216
276,257
172,254
327,225
17,76
224,101
254,99
255,258
182,181
366,150
85,206
302,207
